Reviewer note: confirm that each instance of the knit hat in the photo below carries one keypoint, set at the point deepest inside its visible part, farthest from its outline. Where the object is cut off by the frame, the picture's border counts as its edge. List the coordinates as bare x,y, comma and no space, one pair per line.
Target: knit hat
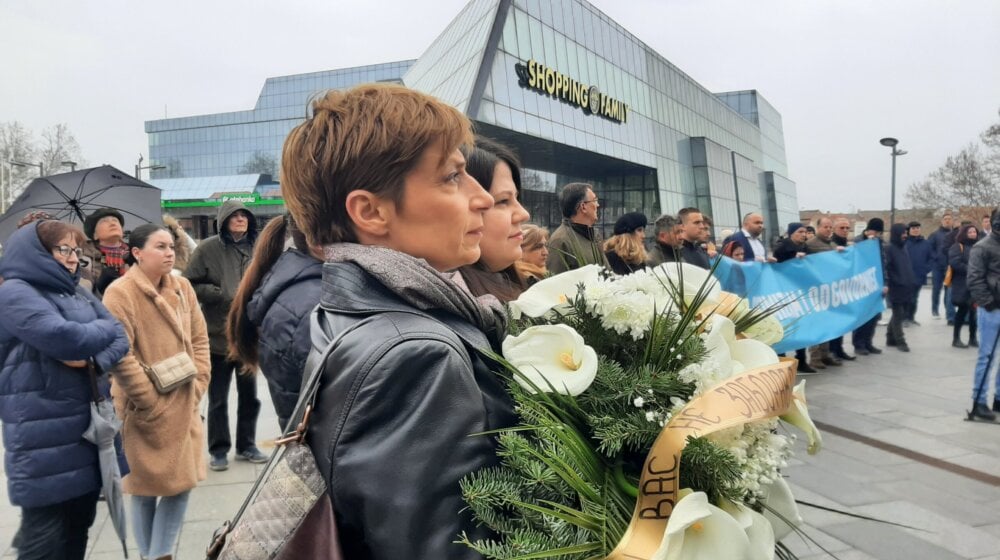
793,227
630,222
876,224
91,223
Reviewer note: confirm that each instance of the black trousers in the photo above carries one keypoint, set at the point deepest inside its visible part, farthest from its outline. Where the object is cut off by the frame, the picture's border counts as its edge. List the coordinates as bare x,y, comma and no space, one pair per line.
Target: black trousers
894,334
960,315
248,407
58,531
837,347
865,334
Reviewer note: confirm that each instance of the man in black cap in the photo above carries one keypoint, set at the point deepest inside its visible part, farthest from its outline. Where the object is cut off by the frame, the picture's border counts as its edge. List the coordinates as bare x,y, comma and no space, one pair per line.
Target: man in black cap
865,334
922,260
105,248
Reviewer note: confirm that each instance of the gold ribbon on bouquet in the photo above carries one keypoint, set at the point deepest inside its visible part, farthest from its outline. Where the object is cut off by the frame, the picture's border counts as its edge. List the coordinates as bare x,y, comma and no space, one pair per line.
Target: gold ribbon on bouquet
753,395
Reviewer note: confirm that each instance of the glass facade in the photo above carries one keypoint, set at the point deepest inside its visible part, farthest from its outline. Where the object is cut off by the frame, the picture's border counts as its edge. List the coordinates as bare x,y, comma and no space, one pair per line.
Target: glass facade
246,142
573,92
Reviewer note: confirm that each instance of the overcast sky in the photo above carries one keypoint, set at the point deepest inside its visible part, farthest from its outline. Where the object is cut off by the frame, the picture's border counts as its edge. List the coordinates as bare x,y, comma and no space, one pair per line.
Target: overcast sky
843,73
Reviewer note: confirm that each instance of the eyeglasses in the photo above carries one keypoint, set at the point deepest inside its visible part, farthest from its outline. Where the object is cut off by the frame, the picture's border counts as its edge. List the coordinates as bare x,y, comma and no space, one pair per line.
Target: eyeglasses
596,201
65,251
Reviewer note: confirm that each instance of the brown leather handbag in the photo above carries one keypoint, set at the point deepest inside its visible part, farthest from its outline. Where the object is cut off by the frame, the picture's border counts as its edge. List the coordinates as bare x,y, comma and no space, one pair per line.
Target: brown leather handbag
288,513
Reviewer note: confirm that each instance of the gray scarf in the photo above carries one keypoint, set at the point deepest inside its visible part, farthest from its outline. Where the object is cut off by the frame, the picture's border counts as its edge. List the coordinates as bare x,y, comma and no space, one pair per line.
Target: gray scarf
420,285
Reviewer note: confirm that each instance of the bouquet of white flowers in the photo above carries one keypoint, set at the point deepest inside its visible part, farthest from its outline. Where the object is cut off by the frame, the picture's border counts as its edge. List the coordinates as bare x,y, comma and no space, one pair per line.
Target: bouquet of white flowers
649,410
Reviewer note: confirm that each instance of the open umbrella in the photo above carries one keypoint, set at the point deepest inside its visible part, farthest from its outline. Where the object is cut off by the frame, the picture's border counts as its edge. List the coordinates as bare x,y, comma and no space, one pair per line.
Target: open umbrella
104,425
70,197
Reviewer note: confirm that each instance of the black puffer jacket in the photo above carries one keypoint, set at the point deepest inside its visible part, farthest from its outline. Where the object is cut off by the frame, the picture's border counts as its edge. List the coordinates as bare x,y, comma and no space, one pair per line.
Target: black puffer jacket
398,402
958,260
902,282
280,309
984,272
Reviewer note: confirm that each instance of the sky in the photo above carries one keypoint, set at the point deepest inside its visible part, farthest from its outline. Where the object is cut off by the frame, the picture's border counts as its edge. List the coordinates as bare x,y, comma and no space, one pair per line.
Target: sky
842,73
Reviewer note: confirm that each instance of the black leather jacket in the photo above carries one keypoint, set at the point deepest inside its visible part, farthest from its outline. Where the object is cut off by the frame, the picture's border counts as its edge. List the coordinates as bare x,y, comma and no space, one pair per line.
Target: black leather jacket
398,402
984,272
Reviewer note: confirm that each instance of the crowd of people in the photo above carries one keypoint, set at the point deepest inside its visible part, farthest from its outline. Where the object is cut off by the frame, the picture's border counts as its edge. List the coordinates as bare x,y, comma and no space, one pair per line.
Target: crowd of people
404,236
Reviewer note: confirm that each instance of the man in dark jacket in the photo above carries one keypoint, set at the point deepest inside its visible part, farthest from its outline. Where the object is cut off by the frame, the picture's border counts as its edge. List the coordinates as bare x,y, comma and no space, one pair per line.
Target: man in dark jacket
794,247
575,243
984,288
901,285
215,271
939,265
920,252
667,241
841,229
864,335
693,234
749,237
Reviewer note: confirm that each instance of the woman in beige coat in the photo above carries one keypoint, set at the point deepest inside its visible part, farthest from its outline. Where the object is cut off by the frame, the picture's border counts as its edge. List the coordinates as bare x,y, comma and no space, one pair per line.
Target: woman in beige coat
162,433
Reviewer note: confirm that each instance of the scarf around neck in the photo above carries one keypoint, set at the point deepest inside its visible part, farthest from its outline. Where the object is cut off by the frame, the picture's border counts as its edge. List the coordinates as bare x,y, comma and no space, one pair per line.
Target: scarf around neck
114,257
420,285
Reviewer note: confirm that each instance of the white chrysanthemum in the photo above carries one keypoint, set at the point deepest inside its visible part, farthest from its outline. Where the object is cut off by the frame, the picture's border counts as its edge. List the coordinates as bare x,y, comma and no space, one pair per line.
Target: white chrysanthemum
626,313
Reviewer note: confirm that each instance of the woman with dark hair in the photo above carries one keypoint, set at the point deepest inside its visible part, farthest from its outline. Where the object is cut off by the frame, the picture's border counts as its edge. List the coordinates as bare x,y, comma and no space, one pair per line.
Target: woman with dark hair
52,328
496,168
161,429
958,260
625,251
268,324
376,178
734,251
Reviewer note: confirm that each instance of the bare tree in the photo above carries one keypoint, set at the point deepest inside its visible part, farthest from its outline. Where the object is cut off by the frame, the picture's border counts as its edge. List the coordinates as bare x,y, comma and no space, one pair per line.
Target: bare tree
969,178
59,145
260,162
16,144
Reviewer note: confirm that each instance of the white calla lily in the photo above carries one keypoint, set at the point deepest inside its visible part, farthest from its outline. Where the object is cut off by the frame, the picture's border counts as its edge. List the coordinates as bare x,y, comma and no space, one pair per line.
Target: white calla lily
697,530
719,341
553,291
553,355
798,416
781,508
759,531
753,354
768,330
689,279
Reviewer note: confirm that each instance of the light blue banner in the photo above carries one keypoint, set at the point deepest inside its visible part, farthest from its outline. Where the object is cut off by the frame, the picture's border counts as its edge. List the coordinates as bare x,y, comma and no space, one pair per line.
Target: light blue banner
827,294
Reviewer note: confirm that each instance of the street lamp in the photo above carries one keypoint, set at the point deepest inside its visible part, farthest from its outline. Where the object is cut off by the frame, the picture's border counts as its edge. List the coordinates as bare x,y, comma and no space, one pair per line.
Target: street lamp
139,167
41,169
70,164
892,143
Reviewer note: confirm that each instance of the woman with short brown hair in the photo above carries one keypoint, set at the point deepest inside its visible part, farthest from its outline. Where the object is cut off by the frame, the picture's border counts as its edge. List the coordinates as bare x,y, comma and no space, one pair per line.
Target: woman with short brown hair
376,178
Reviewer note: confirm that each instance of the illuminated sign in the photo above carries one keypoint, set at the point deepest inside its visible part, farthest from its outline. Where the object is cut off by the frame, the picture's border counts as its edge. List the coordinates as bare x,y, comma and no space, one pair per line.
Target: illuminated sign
536,76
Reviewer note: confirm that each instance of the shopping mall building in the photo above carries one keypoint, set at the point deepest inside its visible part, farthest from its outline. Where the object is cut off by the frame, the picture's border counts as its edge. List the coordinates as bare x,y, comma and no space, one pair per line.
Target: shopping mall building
578,97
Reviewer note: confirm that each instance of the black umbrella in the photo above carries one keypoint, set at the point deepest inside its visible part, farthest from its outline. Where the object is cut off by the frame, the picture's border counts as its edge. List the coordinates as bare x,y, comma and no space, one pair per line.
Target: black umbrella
70,197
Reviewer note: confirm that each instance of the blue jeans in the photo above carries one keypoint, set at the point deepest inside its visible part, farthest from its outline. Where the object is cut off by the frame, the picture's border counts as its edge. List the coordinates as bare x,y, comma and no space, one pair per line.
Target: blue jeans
157,524
989,325
937,279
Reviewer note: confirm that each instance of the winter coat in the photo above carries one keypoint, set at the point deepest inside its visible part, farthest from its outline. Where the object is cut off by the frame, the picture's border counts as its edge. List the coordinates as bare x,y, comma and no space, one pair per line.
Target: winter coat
572,246
45,404
392,431
95,273
619,266
787,249
984,272
693,253
958,260
660,254
280,309
902,283
939,255
818,245
183,244
921,257
215,271
163,435
743,241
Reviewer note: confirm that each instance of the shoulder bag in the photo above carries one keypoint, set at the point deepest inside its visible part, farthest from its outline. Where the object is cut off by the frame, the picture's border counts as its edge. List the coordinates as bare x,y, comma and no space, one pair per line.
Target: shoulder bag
288,513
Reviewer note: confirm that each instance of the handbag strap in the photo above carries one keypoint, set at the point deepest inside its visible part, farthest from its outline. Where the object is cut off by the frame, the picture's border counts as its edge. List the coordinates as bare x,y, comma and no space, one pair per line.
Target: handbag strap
299,418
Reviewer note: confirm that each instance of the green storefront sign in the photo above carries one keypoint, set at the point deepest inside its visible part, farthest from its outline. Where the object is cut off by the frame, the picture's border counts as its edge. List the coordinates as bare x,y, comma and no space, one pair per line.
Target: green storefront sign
250,199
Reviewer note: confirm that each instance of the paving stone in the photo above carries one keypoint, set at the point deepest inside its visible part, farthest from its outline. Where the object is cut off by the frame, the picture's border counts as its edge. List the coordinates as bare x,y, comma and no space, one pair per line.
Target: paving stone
888,543
942,531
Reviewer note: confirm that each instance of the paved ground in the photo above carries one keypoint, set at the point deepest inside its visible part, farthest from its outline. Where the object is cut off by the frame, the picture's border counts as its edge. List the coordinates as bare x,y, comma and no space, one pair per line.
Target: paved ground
914,402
